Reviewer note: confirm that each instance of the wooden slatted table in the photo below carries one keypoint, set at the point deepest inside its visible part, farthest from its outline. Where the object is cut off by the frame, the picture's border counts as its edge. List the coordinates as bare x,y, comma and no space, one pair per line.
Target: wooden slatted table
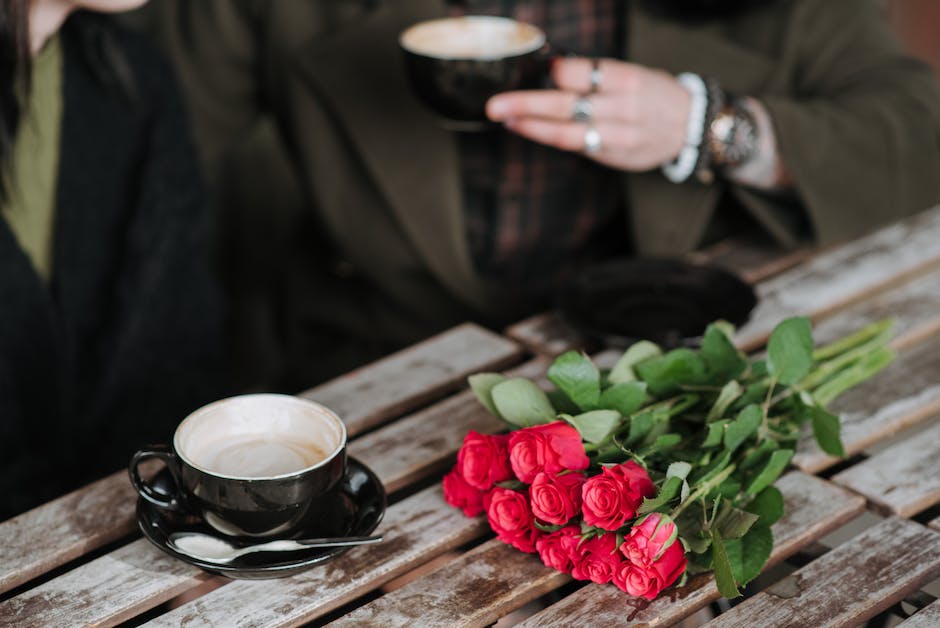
80,561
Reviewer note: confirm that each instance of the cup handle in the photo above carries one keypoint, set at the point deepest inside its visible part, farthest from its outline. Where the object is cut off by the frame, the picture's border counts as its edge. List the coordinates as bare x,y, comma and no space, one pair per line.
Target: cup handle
145,489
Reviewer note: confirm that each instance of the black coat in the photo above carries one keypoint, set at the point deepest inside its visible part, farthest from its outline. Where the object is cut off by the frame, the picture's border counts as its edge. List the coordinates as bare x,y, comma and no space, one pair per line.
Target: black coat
125,340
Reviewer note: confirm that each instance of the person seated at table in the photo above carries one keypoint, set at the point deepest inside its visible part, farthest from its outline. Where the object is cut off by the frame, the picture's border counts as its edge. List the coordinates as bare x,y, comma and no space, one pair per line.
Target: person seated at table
817,128
109,318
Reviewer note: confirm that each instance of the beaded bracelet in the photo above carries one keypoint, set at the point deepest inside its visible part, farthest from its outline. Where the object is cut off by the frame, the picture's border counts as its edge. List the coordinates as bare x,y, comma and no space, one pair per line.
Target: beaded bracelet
685,164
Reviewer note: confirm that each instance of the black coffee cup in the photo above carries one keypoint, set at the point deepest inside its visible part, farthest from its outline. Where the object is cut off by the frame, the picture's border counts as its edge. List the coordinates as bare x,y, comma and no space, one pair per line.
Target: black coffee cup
456,64
254,465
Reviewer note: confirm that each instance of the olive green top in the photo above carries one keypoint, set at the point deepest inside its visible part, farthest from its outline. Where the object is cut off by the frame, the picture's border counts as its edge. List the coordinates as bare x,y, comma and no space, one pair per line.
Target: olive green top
30,177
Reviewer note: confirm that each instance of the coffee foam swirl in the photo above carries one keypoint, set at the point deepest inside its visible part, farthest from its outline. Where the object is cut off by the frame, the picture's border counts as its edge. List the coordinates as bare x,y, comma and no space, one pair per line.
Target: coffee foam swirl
472,37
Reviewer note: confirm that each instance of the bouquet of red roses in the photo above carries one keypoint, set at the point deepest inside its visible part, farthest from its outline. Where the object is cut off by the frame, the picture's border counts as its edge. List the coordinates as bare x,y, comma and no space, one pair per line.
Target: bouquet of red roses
664,464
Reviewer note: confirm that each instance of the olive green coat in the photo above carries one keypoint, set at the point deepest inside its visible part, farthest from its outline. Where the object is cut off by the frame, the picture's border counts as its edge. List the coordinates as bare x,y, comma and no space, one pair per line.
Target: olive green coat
857,123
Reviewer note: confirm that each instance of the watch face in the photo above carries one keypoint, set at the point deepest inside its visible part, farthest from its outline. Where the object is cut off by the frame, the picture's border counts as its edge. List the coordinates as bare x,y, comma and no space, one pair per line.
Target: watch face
733,136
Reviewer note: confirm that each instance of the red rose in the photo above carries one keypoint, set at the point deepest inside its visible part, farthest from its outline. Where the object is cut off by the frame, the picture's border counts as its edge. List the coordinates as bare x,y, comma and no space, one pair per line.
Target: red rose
611,498
510,517
551,448
461,495
556,498
483,460
655,556
559,549
637,581
597,559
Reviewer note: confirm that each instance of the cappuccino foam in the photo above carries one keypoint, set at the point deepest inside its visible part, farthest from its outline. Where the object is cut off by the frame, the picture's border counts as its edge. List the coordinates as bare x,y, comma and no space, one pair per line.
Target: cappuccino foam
259,436
253,457
472,37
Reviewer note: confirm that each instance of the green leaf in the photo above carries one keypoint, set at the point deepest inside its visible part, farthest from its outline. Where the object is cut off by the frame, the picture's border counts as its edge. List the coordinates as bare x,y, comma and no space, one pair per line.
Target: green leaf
716,434
768,505
667,493
578,377
771,471
522,403
665,441
561,402
757,457
625,398
595,426
749,554
668,372
640,426
638,352
722,359
738,431
482,386
826,429
733,523
731,391
678,470
790,350
724,576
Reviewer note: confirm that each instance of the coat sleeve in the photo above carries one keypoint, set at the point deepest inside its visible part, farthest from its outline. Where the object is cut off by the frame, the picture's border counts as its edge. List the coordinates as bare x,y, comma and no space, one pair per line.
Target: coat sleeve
859,126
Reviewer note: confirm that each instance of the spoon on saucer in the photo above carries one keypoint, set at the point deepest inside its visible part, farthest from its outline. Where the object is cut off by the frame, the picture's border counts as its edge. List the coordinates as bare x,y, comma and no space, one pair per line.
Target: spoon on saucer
209,548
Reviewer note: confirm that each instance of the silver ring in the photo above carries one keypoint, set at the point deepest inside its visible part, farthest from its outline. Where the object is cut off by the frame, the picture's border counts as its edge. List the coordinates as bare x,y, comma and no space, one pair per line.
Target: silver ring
592,141
595,75
582,110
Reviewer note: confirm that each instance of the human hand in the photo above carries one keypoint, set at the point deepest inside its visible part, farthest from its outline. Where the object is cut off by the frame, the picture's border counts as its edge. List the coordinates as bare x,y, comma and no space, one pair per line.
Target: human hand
639,113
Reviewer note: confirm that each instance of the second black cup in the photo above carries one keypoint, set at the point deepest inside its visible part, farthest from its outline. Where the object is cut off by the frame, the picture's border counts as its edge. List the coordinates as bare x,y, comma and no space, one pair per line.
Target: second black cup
456,64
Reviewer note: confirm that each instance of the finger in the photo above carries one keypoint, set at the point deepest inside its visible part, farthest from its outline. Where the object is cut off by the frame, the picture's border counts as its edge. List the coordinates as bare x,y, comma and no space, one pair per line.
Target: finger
564,135
550,105
615,76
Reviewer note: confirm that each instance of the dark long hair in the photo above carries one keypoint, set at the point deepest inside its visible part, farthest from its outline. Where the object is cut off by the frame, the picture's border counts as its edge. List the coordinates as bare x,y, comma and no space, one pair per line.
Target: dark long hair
14,73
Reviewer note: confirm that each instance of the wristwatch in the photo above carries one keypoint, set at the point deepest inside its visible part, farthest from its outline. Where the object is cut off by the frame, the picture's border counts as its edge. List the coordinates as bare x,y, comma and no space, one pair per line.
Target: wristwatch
732,136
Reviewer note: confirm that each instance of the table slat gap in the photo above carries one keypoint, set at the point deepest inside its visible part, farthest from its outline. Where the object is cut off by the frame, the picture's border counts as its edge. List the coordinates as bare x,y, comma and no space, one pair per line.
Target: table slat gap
903,479
928,617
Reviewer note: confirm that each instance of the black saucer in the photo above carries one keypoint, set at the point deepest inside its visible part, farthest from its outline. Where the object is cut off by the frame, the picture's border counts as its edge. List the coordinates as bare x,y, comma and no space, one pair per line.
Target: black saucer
667,301
360,504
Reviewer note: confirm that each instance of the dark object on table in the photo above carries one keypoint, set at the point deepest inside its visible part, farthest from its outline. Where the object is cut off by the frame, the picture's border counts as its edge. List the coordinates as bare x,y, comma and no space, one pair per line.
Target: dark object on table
669,302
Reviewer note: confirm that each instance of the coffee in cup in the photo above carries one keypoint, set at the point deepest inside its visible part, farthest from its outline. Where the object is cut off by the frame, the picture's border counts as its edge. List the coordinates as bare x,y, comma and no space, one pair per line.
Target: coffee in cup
253,465
456,64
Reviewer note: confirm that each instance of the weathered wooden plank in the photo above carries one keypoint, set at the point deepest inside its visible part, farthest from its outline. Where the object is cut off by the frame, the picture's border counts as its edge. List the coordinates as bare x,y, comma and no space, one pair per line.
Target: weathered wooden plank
850,584
102,512
474,590
405,380
64,529
420,444
914,306
906,393
545,334
814,507
928,617
903,479
105,591
935,524
416,530
845,275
